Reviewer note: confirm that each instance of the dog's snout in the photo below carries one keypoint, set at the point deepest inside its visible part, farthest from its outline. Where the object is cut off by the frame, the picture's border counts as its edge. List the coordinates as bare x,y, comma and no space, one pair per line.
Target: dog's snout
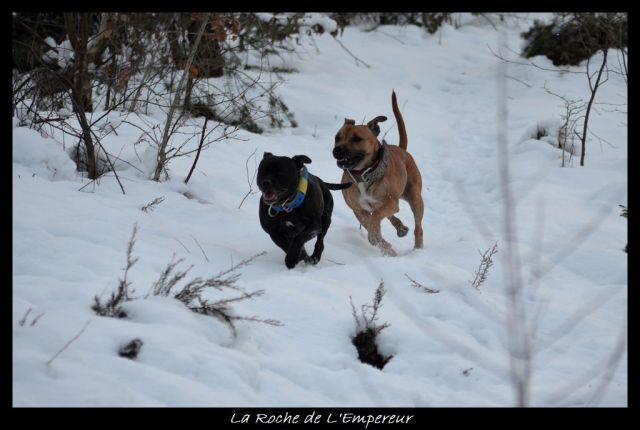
266,183
339,152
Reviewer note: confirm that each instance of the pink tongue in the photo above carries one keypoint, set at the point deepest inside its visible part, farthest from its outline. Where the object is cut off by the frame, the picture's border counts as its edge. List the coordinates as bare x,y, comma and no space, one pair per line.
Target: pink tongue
269,196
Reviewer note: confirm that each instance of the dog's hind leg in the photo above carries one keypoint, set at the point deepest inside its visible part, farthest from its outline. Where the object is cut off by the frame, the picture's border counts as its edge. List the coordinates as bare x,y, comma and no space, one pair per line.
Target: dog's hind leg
401,229
417,207
413,195
304,256
326,222
318,248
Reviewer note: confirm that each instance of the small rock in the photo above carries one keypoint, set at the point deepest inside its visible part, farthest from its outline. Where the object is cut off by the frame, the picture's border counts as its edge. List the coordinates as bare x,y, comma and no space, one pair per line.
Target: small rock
131,349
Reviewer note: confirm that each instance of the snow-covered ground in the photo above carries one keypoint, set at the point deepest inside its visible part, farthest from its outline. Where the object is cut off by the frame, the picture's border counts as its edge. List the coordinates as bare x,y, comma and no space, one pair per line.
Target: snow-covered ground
449,349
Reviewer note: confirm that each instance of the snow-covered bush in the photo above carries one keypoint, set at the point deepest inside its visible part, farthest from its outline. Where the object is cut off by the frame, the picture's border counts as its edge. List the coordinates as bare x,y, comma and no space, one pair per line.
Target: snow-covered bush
574,37
557,132
547,130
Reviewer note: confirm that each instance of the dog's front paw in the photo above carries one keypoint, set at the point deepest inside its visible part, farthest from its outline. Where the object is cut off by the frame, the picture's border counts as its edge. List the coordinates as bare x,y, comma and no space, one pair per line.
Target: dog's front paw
290,261
389,252
313,259
386,248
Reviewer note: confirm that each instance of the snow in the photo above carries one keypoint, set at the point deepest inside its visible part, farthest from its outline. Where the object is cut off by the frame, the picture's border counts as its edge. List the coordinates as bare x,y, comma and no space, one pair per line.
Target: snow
45,157
311,19
307,21
61,55
70,238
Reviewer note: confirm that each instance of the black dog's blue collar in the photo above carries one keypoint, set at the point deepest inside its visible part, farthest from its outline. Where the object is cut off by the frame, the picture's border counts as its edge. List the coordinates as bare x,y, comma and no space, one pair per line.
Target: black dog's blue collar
296,200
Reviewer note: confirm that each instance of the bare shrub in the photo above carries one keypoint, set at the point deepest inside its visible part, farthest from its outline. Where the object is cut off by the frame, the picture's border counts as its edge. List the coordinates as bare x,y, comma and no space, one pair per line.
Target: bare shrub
191,294
430,21
149,207
625,214
184,64
586,34
113,306
168,278
486,261
23,320
367,330
625,211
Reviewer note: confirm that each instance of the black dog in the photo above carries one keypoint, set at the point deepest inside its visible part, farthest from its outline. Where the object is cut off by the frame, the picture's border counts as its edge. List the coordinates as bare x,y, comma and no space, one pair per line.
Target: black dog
295,207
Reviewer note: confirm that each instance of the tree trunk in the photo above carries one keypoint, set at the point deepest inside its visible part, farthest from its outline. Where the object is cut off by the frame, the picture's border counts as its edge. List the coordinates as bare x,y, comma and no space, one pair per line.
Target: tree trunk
187,96
98,43
162,150
208,59
77,26
594,88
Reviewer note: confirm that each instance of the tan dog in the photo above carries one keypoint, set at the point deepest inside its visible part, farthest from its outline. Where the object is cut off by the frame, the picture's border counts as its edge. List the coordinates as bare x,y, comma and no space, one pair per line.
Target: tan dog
384,174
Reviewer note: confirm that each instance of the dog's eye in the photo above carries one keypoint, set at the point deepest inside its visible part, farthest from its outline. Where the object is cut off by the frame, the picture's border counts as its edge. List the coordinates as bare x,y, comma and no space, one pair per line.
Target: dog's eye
356,138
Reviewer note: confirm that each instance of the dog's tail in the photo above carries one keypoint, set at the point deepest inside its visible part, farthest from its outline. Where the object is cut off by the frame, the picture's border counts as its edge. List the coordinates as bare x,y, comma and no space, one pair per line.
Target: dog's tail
401,130
341,186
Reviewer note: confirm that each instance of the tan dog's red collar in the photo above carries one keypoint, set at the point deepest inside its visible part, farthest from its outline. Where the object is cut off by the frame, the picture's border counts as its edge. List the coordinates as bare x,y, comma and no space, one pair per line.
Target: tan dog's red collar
376,170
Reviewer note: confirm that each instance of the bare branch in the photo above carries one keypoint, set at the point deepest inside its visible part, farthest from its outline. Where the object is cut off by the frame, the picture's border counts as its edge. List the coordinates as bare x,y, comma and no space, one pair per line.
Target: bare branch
351,53
242,263
36,319
416,284
193,166
24,318
152,205
528,63
187,249
249,181
66,345
203,253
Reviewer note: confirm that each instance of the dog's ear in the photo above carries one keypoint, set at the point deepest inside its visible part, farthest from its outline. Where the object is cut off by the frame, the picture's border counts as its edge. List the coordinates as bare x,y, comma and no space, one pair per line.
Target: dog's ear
373,124
348,121
267,155
301,160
